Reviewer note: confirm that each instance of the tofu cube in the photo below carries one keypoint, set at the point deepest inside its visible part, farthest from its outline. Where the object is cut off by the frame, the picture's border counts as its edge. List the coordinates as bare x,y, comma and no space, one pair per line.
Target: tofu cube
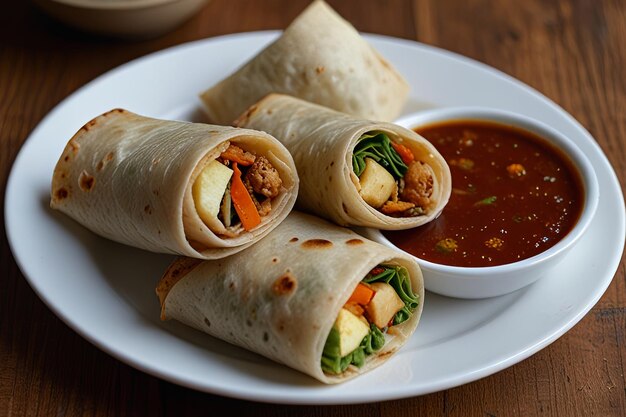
208,189
377,184
351,331
385,304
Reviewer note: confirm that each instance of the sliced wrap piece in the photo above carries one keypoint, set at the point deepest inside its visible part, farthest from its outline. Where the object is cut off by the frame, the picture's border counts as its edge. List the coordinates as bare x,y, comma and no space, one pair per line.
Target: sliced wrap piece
129,178
320,58
282,296
322,142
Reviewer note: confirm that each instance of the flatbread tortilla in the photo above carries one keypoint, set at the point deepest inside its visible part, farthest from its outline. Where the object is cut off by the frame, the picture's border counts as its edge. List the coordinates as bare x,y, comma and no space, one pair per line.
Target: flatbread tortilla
280,297
321,142
320,58
128,178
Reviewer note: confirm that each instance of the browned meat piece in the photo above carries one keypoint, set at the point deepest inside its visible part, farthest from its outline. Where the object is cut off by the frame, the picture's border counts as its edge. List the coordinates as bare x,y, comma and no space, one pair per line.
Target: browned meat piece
396,207
264,207
264,178
418,184
236,154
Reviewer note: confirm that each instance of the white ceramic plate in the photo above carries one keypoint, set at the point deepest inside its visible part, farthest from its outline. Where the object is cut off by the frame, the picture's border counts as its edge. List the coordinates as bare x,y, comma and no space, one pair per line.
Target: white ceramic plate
105,291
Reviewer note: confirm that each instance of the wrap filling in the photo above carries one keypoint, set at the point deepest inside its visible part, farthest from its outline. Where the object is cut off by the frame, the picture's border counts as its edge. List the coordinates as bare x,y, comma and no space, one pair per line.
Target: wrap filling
390,178
382,300
236,189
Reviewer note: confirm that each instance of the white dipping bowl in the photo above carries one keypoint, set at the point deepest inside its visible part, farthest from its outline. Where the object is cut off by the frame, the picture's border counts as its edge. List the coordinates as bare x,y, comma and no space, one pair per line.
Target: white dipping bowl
483,282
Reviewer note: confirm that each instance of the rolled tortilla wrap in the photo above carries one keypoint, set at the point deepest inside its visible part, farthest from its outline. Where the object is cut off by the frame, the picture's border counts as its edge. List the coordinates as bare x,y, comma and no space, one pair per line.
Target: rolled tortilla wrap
322,141
280,297
320,58
129,178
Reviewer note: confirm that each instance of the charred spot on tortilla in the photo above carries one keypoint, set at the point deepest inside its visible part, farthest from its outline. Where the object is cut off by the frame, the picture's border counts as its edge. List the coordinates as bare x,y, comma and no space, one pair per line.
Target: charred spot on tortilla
147,209
117,110
207,322
61,193
320,70
174,273
293,240
387,353
316,244
275,260
354,242
285,284
86,181
74,145
89,125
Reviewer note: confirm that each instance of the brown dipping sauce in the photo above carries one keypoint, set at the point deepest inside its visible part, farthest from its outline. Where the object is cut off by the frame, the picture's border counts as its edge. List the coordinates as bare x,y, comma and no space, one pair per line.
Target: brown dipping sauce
513,196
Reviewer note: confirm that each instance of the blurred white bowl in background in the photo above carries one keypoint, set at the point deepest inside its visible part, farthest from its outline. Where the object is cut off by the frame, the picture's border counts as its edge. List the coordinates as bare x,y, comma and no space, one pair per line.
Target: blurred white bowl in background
131,19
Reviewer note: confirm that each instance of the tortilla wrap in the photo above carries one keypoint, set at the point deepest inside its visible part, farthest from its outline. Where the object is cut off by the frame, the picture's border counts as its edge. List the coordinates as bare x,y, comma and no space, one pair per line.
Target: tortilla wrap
128,178
281,296
320,58
321,142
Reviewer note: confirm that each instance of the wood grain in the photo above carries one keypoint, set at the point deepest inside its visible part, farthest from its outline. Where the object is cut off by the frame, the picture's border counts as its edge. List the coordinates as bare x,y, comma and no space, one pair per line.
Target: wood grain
570,50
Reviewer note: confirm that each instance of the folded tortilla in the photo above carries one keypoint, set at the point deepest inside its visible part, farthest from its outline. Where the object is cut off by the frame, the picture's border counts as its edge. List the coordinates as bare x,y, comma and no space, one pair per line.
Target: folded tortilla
321,142
320,58
129,178
281,296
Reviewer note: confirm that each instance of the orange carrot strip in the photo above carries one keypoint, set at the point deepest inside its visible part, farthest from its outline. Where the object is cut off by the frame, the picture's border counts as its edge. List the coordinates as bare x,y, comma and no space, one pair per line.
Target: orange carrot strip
362,295
404,152
244,206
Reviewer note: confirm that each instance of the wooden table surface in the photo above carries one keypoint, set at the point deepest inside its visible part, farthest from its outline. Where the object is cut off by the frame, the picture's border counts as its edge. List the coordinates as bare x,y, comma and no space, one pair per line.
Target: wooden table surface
570,50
